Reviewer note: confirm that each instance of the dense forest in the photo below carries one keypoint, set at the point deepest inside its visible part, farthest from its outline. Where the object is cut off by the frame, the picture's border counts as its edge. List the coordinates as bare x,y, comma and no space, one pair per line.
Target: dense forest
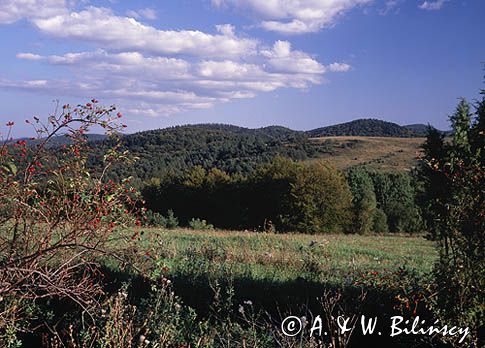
371,128
285,195
229,148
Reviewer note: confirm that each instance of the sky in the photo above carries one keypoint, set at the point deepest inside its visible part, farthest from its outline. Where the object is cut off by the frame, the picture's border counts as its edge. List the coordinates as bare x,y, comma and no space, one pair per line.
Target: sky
253,63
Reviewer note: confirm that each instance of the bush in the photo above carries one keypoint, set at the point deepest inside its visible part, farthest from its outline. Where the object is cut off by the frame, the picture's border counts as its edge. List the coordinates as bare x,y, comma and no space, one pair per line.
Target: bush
154,219
58,216
171,221
198,224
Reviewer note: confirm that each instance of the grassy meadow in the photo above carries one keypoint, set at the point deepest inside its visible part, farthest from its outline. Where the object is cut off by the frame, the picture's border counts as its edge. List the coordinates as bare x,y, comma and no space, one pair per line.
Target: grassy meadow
281,271
287,256
379,153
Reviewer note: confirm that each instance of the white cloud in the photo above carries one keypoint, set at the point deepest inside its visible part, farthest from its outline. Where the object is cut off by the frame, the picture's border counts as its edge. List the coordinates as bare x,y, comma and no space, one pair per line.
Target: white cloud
339,67
125,63
175,84
390,6
432,5
14,10
153,72
282,59
146,13
101,26
295,16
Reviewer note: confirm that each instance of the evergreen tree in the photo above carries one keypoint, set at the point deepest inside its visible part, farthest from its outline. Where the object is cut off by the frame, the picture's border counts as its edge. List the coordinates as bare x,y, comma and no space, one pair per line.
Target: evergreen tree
459,221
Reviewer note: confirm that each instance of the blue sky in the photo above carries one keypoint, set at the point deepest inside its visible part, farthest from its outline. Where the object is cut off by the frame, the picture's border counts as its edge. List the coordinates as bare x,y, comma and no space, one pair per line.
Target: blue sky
296,63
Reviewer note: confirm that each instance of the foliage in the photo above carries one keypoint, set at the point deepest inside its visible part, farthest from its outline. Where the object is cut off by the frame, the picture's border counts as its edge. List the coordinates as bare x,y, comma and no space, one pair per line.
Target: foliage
172,151
154,219
320,200
396,197
379,222
57,217
363,202
228,148
198,224
282,195
458,206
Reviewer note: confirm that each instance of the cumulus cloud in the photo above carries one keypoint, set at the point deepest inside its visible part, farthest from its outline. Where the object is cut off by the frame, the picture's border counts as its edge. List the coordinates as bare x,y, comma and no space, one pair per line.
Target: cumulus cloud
101,26
157,81
14,10
150,71
282,59
146,13
294,16
432,5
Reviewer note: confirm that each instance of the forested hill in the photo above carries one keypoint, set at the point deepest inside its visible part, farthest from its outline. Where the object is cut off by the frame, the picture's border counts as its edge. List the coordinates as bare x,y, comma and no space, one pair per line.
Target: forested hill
230,148
370,128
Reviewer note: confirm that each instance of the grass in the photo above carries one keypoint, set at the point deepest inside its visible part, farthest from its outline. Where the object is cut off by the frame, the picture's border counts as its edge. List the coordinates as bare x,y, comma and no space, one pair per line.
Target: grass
379,153
285,257
284,271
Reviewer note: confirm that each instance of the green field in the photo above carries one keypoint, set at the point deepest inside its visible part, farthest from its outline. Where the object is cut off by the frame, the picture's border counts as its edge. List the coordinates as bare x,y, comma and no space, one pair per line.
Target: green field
284,257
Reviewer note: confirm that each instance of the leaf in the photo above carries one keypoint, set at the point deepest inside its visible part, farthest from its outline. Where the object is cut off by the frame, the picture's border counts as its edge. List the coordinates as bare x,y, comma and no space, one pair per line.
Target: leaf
11,167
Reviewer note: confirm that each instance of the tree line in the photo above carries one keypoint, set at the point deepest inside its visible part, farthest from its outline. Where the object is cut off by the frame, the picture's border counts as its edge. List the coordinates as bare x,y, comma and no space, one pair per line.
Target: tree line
285,195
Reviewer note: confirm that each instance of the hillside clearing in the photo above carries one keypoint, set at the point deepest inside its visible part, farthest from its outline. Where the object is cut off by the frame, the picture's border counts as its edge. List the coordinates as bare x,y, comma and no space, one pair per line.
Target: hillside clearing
382,153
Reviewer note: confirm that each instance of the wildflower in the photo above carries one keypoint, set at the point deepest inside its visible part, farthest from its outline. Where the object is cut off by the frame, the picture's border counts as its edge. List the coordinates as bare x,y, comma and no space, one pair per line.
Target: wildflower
10,124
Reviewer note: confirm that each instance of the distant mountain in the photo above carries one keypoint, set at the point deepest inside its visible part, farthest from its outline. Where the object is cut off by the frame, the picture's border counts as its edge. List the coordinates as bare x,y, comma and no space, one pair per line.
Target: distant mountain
370,128
418,128
61,139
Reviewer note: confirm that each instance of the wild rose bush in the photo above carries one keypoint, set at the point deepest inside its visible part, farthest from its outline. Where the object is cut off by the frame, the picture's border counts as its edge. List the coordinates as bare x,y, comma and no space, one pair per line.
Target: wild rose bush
56,216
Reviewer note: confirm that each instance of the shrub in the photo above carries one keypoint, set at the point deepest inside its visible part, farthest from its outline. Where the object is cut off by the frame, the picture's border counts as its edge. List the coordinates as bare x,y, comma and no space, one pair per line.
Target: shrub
171,221
198,224
154,219
57,216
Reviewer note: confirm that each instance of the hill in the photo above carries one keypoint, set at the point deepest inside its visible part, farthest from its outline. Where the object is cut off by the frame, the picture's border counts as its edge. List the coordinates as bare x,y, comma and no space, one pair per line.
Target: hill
230,148
420,129
369,128
240,150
